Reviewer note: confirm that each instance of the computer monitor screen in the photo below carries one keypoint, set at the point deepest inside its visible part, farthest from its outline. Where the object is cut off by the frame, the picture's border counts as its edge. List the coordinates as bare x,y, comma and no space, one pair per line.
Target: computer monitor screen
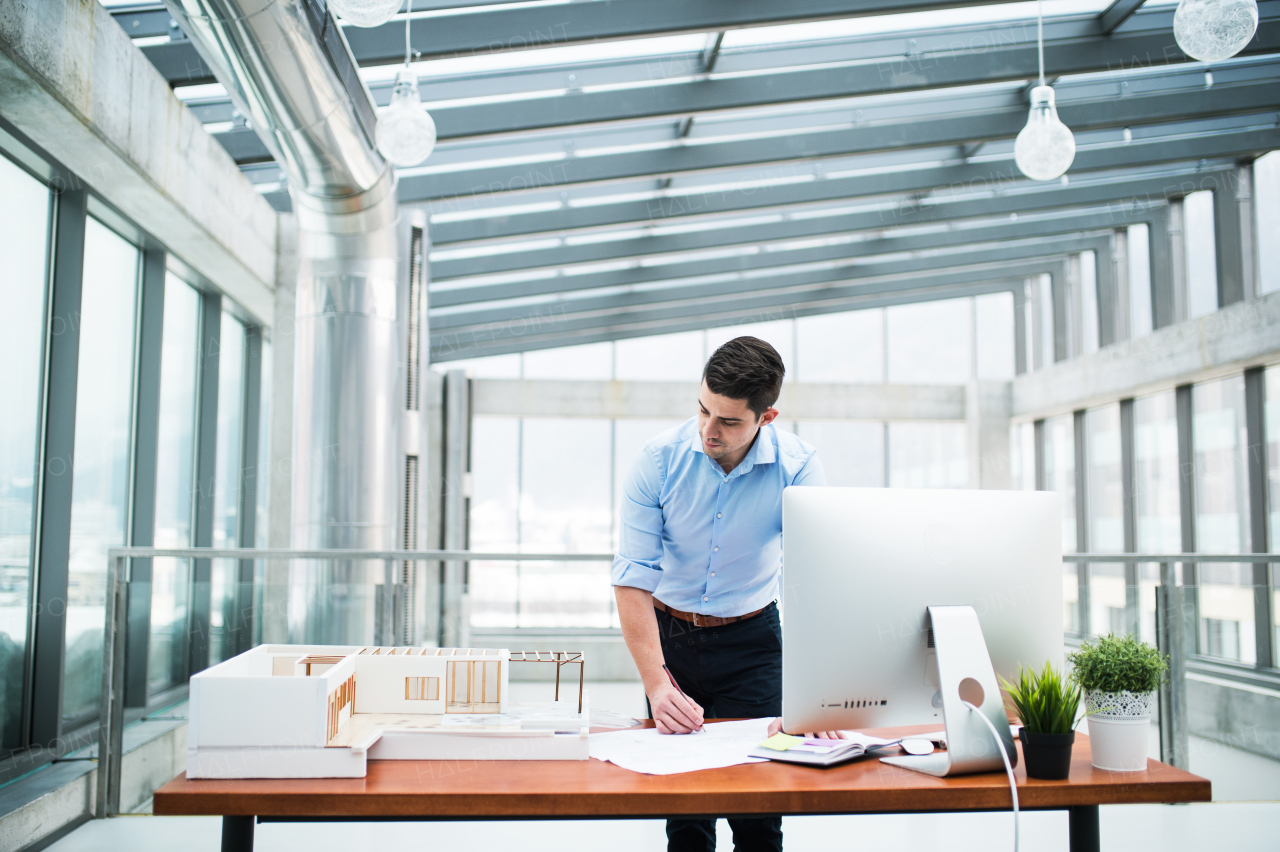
860,568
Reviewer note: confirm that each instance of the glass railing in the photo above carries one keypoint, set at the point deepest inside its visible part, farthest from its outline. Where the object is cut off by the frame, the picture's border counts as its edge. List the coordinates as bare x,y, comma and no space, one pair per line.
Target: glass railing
234,599
231,600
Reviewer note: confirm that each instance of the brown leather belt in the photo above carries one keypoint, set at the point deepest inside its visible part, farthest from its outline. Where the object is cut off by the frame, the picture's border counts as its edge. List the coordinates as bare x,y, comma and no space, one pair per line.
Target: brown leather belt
699,620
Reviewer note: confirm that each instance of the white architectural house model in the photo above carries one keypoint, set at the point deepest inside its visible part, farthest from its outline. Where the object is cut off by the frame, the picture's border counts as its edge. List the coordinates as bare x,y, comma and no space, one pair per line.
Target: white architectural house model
321,711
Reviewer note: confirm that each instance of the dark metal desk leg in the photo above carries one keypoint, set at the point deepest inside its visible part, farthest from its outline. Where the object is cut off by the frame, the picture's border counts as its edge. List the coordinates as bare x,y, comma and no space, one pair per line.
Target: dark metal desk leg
1083,825
237,834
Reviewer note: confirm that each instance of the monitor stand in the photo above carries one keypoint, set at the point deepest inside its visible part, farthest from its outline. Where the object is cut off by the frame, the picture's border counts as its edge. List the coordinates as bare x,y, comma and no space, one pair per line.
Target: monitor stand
964,674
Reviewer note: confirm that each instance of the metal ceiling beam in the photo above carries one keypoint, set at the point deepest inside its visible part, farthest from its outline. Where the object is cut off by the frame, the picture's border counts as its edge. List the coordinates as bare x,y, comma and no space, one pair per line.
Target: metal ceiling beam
1117,13
882,244
677,206
451,347
948,67
797,280
552,330
495,29
1008,53
1143,191
908,53
955,128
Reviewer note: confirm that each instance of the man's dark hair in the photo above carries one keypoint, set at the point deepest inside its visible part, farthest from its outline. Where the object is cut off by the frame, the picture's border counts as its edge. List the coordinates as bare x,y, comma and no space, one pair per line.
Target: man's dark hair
746,368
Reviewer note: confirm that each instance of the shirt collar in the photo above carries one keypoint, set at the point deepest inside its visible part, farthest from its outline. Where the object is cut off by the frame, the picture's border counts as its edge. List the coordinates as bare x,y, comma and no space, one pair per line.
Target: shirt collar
761,452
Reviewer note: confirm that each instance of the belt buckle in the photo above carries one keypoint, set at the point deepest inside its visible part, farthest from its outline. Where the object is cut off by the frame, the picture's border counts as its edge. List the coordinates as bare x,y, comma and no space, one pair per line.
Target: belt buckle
697,623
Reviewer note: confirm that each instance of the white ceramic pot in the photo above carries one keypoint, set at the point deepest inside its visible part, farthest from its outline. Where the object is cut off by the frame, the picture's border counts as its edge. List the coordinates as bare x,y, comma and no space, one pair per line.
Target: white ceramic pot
1119,729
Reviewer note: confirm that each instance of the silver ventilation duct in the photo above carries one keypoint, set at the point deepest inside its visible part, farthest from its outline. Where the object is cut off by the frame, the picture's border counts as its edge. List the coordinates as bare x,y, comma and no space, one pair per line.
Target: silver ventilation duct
289,70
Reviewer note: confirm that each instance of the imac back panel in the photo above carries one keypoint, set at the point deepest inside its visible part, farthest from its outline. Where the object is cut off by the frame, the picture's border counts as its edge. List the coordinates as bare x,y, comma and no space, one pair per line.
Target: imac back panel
860,567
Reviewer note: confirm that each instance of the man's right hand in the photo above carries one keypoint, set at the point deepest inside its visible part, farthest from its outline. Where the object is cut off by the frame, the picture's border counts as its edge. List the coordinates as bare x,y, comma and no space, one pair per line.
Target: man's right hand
673,713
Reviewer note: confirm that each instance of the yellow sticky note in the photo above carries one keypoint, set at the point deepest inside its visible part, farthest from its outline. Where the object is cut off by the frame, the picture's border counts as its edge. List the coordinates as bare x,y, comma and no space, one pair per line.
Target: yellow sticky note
780,742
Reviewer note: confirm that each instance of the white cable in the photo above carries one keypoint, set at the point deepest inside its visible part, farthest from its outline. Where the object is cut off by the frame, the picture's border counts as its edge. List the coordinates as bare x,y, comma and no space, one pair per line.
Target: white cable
1013,784
1040,36
409,14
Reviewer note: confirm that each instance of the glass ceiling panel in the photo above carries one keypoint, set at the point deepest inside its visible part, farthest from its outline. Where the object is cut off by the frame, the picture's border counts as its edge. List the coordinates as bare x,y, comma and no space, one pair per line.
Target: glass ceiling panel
861,26
535,58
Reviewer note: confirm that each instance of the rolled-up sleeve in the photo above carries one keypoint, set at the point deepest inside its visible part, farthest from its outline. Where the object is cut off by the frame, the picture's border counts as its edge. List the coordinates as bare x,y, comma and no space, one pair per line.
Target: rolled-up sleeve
812,473
638,562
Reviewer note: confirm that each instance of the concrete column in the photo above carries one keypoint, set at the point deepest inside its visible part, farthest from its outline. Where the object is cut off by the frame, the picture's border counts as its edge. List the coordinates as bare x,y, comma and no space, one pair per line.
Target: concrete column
1177,262
987,412
275,596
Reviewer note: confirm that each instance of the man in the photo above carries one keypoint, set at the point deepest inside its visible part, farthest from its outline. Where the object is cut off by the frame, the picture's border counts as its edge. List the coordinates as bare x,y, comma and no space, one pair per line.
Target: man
697,570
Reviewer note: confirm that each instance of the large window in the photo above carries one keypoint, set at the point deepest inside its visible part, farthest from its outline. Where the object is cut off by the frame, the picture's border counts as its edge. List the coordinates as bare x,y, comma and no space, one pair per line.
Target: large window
1202,260
931,342
545,485
24,229
1104,502
1138,243
1222,519
852,453
840,347
1266,183
100,496
564,508
928,455
175,485
1157,493
494,520
1060,476
548,484
1022,457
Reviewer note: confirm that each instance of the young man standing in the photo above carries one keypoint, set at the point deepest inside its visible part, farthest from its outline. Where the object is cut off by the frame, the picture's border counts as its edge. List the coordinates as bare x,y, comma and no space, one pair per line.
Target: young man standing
697,570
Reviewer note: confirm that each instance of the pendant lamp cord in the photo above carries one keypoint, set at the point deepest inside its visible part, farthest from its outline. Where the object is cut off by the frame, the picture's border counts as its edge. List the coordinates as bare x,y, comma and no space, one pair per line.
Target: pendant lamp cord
1039,35
409,12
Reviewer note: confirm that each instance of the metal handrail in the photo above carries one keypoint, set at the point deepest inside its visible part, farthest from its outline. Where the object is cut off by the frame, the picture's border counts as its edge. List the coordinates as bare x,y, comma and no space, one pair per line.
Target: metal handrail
1171,557
1174,737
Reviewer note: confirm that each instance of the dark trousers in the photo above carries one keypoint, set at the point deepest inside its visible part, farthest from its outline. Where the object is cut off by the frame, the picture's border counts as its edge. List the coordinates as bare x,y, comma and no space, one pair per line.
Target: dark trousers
734,672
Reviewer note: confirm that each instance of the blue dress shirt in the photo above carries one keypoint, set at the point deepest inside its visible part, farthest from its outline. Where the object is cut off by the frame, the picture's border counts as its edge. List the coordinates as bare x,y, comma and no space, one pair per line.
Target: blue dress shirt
702,540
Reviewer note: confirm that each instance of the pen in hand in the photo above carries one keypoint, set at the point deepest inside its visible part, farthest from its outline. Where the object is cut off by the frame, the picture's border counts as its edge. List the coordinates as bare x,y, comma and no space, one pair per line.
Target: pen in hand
672,678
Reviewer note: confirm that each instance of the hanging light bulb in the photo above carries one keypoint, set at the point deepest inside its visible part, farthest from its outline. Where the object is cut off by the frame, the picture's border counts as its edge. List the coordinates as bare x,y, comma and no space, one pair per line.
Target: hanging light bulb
1045,147
406,133
1213,30
365,13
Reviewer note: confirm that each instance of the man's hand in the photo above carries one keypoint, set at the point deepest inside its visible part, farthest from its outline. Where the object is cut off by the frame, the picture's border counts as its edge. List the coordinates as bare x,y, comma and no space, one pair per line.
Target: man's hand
672,712
776,726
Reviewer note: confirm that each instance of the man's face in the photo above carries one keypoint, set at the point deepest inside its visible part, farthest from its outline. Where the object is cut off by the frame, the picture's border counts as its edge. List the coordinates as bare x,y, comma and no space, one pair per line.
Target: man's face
727,425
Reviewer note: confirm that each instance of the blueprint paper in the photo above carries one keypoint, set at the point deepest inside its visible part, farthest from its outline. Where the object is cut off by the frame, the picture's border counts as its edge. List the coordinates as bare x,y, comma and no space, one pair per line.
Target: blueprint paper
649,752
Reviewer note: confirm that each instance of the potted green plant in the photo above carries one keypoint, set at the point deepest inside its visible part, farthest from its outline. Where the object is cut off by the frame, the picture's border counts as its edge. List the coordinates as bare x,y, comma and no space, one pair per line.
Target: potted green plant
1119,676
1046,703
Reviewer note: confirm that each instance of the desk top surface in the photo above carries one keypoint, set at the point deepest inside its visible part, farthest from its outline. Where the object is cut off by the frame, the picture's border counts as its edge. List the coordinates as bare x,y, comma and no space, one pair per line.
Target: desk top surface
592,789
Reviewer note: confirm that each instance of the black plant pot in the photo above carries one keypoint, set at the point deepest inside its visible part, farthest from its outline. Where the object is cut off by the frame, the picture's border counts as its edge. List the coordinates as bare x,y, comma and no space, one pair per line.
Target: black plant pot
1047,756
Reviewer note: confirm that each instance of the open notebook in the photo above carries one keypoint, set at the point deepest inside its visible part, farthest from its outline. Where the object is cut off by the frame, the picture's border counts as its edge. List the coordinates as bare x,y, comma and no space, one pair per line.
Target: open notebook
823,752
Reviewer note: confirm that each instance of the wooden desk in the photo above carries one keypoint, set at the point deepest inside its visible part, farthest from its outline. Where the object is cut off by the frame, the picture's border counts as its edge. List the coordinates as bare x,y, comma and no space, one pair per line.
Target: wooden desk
494,790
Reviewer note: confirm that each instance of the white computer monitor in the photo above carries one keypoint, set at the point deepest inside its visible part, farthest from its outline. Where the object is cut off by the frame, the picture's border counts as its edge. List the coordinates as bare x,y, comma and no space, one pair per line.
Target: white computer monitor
862,565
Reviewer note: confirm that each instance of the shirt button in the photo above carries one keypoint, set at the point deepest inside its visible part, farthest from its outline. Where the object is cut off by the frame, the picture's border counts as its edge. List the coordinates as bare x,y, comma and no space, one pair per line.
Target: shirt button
719,515
706,598
713,573
717,550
